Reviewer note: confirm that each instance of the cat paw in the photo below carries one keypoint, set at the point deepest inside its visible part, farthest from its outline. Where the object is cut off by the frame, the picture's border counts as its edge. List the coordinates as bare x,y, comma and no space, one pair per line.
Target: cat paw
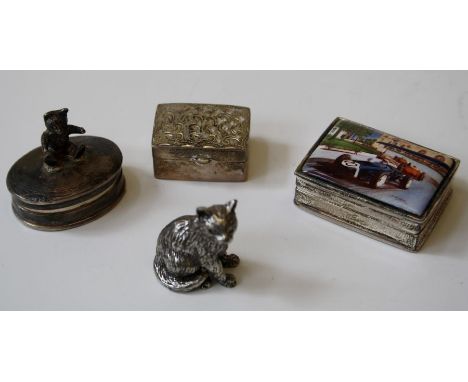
207,284
230,281
229,261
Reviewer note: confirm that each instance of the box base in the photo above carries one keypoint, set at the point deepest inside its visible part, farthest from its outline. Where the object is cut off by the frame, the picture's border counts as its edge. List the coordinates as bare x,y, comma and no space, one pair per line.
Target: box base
84,211
406,235
213,171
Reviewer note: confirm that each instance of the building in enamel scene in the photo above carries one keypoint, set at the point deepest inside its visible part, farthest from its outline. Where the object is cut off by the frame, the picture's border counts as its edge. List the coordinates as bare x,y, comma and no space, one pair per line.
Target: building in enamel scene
433,159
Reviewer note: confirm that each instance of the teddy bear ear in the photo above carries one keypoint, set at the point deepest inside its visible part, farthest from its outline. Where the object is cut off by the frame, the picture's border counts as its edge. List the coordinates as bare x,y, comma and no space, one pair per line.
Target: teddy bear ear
56,112
231,205
203,212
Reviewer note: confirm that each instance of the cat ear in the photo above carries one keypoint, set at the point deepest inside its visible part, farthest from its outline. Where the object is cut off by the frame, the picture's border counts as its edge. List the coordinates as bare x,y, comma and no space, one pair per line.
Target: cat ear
203,212
231,205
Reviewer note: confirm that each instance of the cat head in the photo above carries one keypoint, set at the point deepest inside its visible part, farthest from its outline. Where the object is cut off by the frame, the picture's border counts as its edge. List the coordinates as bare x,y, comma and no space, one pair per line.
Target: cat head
220,219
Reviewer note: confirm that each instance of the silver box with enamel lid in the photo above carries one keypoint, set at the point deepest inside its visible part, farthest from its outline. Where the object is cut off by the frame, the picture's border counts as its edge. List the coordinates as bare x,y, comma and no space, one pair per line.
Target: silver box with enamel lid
375,183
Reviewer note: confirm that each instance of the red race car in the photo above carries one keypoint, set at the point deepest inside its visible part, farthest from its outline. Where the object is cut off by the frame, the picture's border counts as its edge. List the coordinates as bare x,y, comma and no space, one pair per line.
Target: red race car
405,167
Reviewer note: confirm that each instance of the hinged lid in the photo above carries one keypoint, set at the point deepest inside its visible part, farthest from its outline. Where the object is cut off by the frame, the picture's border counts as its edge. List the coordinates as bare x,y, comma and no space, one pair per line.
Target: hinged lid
200,155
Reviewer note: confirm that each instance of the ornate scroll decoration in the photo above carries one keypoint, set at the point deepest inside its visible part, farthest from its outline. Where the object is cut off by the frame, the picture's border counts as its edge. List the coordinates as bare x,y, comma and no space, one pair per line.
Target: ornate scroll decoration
201,125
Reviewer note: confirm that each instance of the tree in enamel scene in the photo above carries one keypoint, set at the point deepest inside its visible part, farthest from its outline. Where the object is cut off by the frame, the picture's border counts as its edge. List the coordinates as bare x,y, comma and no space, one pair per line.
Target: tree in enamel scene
361,137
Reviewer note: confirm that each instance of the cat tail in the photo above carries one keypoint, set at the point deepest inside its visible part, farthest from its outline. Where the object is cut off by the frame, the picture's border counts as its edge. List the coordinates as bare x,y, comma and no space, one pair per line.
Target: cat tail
184,284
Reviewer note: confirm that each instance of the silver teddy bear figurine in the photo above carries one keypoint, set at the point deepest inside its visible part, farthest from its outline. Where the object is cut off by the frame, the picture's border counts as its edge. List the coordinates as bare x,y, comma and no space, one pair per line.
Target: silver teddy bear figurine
192,250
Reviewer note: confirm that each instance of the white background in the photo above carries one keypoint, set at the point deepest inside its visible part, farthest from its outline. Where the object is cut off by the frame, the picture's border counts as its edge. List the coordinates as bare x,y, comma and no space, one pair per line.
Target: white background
290,260
249,34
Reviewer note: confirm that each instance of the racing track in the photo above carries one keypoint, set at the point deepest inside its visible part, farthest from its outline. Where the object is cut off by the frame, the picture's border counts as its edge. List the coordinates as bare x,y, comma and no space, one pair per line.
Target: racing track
414,199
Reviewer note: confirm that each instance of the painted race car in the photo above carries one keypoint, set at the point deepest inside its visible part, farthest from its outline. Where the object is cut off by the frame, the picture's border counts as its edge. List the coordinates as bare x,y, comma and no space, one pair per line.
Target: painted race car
375,172
405,167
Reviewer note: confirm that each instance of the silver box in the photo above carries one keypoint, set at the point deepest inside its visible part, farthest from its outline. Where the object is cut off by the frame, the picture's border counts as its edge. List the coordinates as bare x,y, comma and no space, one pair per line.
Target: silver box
201,142
375,183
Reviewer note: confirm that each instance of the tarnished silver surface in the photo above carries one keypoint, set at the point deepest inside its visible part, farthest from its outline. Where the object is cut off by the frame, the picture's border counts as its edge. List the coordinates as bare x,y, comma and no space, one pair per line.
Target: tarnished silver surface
201,142
68,181
355,213
202,125
191,251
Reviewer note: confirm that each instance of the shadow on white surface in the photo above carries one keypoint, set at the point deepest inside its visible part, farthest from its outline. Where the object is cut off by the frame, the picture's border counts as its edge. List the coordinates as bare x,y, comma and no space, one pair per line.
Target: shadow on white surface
289,259
268,161
266,279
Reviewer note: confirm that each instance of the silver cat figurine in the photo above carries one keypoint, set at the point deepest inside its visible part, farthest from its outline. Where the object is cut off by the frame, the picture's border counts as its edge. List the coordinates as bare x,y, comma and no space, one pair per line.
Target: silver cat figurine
192,250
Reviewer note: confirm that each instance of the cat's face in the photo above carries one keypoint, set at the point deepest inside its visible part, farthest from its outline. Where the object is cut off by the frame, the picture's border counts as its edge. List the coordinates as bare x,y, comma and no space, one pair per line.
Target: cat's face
220,220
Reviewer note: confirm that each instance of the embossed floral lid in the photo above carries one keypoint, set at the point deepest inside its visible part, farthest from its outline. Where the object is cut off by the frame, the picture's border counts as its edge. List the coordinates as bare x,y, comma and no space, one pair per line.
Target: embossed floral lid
202,126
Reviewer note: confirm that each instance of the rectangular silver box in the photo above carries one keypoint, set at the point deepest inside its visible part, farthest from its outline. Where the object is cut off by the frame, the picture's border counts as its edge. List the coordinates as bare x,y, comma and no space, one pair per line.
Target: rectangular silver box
375,183
201,142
